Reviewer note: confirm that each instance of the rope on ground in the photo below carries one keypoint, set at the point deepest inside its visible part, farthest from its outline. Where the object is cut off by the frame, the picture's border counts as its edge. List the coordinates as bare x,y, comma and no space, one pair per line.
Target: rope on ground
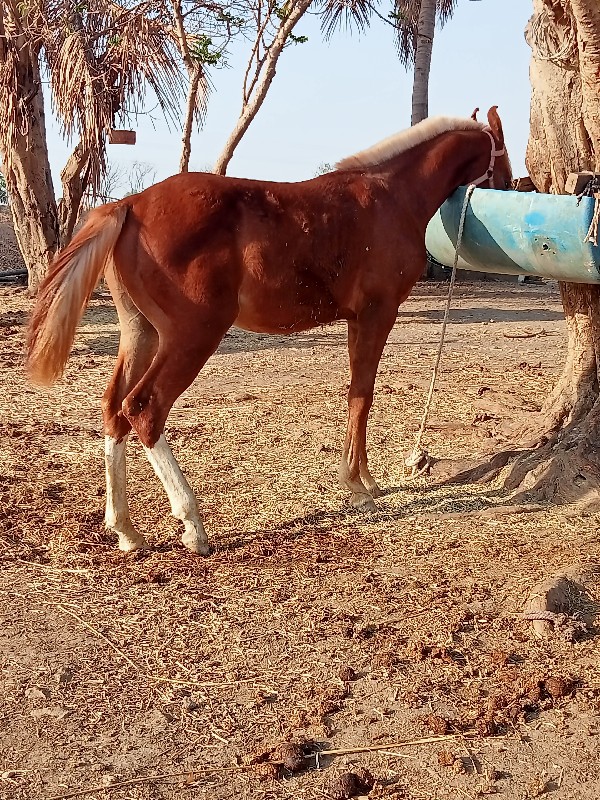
419,460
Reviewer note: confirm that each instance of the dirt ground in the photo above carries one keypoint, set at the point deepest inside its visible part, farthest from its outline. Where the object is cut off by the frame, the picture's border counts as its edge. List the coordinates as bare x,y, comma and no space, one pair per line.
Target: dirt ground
397,635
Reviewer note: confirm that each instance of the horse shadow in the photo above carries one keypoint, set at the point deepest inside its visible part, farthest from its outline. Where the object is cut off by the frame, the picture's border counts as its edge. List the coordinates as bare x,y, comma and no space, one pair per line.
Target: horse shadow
317,524
234,341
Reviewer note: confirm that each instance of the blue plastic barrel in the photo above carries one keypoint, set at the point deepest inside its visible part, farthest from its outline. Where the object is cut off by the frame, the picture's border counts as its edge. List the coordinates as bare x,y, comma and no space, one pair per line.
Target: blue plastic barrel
518,233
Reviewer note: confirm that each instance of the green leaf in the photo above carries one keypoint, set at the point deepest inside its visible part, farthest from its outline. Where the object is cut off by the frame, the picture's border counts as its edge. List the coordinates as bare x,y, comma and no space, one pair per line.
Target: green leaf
202,50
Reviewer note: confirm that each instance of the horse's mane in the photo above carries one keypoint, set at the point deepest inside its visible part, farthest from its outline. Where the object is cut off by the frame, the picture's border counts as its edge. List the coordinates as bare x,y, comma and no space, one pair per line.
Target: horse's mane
405,140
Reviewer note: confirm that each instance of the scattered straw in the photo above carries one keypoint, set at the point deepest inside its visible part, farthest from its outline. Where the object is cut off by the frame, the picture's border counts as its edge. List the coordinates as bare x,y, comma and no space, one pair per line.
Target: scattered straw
159,778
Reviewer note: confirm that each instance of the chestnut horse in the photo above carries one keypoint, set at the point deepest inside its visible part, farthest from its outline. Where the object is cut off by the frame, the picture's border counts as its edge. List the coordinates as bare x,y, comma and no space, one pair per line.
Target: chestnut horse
192,256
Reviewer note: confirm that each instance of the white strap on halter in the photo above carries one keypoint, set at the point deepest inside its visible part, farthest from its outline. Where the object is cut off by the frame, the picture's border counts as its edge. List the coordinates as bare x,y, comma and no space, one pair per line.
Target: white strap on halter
489,174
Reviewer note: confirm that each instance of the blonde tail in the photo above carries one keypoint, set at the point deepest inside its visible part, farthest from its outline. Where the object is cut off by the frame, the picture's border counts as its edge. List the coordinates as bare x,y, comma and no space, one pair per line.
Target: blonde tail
65,293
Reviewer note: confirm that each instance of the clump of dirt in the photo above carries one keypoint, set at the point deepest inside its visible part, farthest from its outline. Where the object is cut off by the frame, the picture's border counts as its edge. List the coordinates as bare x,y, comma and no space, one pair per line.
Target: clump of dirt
531,695
285,758
437,724
331,701
445,758
347,674
350,784
558,686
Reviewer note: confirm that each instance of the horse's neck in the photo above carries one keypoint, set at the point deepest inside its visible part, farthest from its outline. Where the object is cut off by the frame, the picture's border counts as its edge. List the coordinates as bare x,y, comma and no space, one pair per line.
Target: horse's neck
440,167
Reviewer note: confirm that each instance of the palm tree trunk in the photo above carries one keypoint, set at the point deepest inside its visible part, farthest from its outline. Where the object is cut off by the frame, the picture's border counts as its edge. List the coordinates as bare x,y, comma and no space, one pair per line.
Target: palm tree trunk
425,34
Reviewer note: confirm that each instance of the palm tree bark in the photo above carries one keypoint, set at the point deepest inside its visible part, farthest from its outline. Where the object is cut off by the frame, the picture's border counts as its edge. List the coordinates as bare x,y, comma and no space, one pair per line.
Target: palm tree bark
24,152
425,34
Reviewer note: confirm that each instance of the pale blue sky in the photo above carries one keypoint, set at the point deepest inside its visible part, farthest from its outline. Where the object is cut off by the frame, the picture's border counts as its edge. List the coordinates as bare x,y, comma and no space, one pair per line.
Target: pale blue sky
332,98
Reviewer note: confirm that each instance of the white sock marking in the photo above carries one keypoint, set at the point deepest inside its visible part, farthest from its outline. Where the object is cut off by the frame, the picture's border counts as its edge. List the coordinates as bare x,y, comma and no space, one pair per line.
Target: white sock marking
181,497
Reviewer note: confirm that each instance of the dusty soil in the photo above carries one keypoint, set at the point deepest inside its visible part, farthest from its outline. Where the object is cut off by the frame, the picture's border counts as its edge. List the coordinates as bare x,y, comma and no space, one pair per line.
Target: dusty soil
397,634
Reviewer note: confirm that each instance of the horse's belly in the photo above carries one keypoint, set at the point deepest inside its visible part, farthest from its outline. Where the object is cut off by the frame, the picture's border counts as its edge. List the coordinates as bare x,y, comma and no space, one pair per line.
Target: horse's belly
284,312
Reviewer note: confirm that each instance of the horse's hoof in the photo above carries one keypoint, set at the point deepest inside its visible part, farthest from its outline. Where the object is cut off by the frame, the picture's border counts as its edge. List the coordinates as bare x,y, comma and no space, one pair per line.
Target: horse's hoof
196,540
197,546
363,502
130,542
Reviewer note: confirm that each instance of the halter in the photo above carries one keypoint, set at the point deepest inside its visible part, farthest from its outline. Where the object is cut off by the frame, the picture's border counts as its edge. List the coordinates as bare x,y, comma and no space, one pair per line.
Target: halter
489,174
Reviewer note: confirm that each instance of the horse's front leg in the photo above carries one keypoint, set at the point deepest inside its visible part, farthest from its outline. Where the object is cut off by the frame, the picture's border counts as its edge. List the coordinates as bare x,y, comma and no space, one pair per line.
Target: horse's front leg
366,339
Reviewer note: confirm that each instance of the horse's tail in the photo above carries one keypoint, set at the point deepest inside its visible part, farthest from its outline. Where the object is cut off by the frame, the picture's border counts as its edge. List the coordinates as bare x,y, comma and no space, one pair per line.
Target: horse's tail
66,291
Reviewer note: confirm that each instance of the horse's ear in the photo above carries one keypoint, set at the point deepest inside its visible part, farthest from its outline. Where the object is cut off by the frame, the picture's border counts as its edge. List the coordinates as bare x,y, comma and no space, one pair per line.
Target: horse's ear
474,114
496,125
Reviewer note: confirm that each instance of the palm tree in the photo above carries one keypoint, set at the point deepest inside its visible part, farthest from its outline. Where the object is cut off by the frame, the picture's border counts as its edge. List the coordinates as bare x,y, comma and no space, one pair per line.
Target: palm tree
415,24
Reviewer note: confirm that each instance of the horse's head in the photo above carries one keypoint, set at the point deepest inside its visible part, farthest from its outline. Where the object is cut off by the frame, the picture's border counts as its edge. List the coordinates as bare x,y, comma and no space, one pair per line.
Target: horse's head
499,172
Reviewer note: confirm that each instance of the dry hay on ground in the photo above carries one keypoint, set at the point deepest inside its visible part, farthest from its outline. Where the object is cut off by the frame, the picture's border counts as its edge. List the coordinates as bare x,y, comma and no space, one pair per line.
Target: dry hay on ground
398,634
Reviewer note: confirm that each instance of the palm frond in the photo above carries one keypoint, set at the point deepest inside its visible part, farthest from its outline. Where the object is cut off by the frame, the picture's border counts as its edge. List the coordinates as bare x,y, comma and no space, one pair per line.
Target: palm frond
337,14
406,17
101,58
101,61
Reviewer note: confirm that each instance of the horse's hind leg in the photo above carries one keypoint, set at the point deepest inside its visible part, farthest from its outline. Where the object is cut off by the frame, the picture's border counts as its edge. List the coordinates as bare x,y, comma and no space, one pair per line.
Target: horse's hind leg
182,352
137,347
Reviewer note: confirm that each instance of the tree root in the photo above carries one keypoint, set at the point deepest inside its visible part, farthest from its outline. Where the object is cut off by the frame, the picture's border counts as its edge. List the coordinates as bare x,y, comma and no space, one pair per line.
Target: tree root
556,466
553,473
562,605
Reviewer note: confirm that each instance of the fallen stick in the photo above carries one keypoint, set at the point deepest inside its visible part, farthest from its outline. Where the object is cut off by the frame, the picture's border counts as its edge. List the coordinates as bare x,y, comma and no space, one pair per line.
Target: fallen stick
344,751
191,772
542,332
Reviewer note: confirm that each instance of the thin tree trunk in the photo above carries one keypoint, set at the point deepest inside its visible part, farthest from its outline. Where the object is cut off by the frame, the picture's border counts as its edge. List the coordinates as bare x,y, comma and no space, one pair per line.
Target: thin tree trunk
74,184
192,99
425,34
251,108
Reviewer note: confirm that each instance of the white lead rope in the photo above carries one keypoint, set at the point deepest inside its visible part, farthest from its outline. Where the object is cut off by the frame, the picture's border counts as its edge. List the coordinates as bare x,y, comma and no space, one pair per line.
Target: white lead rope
419,460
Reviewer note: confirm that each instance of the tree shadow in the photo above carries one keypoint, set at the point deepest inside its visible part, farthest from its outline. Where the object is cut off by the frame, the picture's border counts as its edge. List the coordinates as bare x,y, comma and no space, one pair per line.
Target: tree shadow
475,289
483,314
